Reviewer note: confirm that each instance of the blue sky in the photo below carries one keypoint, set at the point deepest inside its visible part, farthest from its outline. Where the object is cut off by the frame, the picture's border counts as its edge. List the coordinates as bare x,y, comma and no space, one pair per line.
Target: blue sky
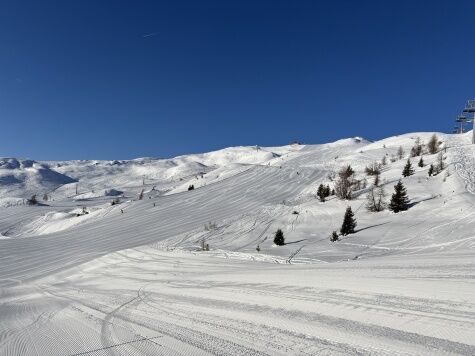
124,79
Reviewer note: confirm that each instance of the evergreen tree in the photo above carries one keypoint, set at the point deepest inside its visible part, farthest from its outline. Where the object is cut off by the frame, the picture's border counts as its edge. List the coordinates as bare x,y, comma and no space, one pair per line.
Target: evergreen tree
421,162
433,144
349,223
279,239
431,170
334,236
327,191
408,170
400,152
376,180
191,187
399,200
321,192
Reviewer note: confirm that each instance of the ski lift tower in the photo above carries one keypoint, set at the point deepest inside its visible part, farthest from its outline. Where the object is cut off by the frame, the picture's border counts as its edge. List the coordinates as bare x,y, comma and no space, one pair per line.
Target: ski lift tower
469,114
461,121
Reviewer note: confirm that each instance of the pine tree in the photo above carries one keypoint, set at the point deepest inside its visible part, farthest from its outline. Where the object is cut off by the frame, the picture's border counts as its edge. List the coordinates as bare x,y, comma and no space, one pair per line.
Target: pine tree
349,223
399,200
376,180
400,152
408,170
321,192
334,236
431,170
433,144
279,239
421,162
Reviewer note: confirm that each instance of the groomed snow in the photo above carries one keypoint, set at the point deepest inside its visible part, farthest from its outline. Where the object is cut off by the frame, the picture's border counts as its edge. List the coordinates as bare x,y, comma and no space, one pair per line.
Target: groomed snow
129,279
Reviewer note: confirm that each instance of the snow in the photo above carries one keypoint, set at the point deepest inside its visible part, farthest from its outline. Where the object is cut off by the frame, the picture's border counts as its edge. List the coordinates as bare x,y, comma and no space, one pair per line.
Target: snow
130,279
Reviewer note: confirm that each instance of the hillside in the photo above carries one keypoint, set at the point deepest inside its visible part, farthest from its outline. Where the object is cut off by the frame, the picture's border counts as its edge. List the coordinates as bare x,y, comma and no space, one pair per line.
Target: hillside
130,278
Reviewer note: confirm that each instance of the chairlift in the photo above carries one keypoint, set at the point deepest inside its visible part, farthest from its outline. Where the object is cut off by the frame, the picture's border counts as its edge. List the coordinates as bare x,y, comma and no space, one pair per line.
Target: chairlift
467,116
469,107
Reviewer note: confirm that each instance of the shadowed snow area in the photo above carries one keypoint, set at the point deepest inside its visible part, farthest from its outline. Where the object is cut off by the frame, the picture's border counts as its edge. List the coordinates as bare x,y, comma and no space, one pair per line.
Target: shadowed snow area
82,276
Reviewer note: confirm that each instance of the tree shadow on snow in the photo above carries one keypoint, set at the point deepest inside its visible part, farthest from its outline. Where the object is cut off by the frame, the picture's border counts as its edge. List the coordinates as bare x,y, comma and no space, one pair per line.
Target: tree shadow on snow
412,204
369,227
294,242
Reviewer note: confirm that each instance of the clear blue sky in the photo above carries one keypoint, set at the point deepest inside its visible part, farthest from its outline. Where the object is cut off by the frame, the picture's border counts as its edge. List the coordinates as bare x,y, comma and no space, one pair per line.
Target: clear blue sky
122,79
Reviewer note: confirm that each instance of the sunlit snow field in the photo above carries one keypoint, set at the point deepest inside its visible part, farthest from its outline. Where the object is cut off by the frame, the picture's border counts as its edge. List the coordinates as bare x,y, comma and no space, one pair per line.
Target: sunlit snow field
131,279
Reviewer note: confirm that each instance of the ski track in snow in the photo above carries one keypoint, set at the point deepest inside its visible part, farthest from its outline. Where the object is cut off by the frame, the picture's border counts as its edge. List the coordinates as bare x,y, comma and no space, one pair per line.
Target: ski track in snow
133,283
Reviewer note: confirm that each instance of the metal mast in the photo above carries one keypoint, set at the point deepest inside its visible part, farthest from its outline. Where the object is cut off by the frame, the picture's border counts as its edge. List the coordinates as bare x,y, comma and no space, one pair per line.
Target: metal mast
461,120
468,115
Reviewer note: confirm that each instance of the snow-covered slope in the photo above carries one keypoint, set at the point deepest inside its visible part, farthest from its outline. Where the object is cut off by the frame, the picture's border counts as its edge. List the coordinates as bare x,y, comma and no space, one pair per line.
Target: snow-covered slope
23,178
60,179
81,276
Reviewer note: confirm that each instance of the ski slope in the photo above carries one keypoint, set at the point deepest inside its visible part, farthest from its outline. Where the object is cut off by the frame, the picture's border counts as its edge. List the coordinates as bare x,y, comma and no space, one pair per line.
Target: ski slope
130,279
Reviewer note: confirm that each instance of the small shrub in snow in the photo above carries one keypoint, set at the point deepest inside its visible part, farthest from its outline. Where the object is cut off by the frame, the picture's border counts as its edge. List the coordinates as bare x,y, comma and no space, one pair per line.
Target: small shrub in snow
115,201
431,170
191,187
279,239
440,161
375,200
421,162
373,169
32,200
331,176
416,150
210,226
204,245
334,236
